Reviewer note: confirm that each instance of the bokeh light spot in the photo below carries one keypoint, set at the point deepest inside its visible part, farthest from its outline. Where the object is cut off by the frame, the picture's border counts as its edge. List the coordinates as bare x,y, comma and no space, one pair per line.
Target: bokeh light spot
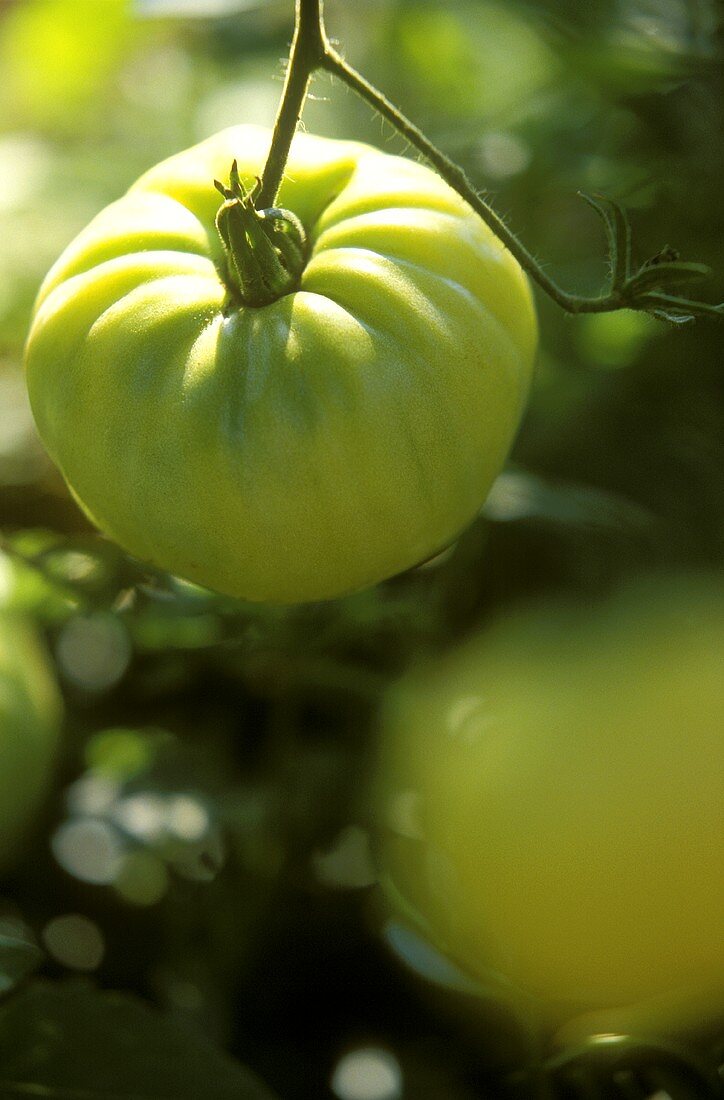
74,941
348,864
120,752
143,879
369,1073
91,850
187,818
94,651
91,795
502,155
142,816
614,340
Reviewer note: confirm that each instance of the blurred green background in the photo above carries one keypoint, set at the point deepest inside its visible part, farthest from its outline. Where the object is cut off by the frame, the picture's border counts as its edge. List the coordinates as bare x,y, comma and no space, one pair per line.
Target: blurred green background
207,847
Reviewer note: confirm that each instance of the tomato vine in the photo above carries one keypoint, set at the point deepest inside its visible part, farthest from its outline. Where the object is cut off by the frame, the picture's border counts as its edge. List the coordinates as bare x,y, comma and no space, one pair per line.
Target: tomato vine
649,287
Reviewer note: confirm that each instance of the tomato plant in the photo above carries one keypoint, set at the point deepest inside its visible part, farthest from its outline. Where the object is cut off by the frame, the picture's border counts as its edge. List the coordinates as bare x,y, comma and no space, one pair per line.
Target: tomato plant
287,367
309,446
553,791
29,728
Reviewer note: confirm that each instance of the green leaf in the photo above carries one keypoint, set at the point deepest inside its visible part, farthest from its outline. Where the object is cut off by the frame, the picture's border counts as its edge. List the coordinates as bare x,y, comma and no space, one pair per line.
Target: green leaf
618,235
669,307
672,316
661,275
69,1041
18,958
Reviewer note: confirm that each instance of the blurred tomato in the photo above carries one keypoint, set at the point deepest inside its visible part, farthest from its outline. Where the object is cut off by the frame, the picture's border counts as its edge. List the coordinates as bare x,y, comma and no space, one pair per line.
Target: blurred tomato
552,796
29,731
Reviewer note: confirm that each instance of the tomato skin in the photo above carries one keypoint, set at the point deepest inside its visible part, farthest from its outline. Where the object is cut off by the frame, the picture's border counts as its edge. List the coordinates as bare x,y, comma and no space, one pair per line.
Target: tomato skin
551,795
309,447
30,713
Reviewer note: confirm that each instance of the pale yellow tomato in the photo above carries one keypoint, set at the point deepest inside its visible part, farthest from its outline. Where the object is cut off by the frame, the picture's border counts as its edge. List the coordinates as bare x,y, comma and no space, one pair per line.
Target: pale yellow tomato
304,448
552,798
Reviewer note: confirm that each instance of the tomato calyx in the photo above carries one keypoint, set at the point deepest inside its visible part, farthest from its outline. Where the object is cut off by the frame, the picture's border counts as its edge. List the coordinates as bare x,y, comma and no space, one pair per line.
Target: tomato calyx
265,251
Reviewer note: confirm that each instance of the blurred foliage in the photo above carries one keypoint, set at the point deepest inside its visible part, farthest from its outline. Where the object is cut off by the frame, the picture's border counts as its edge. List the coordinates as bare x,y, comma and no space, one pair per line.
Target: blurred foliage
208,846
87,1043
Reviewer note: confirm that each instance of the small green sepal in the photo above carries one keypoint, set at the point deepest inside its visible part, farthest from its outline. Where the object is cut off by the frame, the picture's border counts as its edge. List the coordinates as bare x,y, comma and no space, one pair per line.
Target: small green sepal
265,250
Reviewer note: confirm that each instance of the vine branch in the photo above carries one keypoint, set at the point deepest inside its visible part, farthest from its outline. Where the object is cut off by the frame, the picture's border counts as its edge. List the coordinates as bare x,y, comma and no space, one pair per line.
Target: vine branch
648,287
307,54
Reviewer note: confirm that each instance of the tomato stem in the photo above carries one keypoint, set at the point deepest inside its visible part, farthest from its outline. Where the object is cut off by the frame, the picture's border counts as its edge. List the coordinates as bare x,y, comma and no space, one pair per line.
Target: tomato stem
265,250
623,293
309,47
627,289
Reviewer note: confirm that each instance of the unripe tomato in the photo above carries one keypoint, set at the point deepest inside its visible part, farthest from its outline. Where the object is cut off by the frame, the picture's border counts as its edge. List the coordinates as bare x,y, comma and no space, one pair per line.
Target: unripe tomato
29,731
553,802
307,447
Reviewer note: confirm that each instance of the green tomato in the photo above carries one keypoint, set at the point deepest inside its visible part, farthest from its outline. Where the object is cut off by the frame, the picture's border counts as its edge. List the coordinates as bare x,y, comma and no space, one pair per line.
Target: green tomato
552,797
29,731
308,447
